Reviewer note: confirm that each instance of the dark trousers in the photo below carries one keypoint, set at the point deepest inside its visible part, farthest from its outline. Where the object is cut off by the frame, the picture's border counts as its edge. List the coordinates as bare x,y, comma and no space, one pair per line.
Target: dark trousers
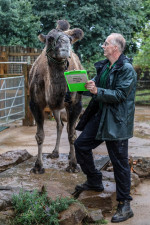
118,153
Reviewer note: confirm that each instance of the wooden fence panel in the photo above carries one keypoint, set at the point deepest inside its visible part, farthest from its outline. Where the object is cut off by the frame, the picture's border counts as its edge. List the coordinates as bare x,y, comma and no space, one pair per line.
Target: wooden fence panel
19,54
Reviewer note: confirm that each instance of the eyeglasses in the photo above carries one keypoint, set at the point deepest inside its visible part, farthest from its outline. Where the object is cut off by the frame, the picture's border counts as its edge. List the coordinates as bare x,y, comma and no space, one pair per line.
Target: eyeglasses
106,43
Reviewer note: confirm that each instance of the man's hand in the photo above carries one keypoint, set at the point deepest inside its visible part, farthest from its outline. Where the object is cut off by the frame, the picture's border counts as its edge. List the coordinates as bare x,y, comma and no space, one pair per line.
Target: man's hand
90,85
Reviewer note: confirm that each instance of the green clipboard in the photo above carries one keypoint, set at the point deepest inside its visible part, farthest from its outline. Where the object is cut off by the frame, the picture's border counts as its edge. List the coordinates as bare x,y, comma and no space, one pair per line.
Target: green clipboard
76,80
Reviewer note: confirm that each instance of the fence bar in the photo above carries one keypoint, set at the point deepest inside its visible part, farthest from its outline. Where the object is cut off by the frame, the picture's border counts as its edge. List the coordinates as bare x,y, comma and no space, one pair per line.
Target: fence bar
12,88
14,98
7,78
12,107
6,99
23,63
13,114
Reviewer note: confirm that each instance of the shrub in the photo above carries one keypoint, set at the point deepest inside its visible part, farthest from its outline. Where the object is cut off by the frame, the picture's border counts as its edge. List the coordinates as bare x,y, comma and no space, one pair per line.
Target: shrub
34,208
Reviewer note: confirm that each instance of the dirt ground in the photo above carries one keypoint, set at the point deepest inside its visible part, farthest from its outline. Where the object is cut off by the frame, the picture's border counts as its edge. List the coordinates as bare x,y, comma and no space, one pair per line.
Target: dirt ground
19,137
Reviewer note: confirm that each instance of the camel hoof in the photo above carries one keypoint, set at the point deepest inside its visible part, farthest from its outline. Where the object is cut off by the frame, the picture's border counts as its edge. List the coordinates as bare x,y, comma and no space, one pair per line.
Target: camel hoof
53,155
73,169
37,170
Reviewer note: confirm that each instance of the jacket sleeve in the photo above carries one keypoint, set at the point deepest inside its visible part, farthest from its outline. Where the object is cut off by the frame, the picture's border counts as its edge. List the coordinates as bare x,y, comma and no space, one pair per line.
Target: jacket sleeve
124,81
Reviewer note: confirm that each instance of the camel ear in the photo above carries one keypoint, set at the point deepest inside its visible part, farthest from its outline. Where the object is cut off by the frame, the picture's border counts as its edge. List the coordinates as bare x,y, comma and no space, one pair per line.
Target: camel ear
62,25
42,38
76,34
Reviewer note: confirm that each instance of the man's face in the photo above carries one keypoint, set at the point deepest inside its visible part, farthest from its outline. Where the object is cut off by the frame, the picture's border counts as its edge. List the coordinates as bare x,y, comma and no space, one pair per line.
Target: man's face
108,47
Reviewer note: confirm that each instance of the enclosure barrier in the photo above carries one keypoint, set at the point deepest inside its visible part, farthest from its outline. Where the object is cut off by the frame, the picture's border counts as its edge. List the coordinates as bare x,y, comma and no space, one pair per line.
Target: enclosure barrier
14,94
12,104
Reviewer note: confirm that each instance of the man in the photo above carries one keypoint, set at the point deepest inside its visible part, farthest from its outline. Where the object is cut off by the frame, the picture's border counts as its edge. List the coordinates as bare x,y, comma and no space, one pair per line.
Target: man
109,117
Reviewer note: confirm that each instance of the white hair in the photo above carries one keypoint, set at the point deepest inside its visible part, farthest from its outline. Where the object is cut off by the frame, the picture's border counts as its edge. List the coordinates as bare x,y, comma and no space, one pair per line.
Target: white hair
118,40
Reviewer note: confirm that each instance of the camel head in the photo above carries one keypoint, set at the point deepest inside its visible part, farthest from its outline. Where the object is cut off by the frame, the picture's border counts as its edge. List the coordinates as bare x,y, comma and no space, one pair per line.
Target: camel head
58,41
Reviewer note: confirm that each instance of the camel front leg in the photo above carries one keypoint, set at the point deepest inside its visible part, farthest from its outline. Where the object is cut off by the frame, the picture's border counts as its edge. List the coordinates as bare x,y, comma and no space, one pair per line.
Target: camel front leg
72,167
73,111
38,168
60,125
39,118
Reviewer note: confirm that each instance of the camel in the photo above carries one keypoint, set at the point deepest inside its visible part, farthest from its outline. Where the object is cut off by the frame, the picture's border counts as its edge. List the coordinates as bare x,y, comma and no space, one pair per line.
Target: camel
48,86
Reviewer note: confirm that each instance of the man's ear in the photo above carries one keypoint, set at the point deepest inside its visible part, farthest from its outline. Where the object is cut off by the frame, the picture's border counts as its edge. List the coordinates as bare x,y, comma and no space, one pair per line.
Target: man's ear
76,34
42,38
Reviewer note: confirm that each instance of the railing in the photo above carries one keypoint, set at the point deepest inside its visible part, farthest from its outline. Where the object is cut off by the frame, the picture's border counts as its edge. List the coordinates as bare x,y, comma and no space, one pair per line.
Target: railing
12,99
143,84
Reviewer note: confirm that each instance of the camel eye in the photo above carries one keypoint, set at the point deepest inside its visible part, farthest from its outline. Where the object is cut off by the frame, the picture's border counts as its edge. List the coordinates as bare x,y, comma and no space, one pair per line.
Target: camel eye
50,39
63,41
71,39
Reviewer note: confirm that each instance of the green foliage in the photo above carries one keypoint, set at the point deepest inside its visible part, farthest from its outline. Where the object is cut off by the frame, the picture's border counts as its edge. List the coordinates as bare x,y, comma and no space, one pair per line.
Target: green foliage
96,18
143,97
143,39
142,59
22,20
102,221
89,64
32,208
85,101
18,24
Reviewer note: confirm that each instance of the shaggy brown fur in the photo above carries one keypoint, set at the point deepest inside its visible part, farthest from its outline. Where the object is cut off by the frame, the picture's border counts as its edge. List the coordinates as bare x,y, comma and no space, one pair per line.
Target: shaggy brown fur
48,87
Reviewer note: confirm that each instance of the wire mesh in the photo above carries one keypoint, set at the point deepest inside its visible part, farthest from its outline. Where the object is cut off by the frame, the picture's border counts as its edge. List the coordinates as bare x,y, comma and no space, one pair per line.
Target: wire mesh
12,99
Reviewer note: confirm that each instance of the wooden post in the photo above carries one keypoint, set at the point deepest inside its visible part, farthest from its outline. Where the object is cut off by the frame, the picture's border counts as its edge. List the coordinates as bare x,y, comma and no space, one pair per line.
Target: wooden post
28,121
3,70
3,58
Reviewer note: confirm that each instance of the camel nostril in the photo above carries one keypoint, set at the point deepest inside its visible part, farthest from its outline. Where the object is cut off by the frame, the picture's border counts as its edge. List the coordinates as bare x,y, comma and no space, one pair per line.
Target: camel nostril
64,50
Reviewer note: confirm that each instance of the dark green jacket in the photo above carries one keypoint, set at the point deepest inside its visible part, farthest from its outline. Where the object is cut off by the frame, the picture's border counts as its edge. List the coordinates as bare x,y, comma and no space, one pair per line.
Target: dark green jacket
117,116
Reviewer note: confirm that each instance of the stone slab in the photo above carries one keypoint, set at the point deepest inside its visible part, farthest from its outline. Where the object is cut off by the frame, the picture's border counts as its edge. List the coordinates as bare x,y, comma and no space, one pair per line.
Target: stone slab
12,158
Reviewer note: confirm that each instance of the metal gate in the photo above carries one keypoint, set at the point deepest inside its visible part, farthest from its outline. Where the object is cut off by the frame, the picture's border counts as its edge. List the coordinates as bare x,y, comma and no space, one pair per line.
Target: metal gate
12,99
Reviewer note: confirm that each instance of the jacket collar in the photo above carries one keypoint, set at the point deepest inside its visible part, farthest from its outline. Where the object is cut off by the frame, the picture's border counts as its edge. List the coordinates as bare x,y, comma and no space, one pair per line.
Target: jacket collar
119,62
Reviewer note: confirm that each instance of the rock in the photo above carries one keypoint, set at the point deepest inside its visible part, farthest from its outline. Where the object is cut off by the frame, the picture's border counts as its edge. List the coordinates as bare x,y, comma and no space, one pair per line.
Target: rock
12,158
55,190
108,176
5,216
141,166
105,200
94,216
6,197
74,215
135,180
